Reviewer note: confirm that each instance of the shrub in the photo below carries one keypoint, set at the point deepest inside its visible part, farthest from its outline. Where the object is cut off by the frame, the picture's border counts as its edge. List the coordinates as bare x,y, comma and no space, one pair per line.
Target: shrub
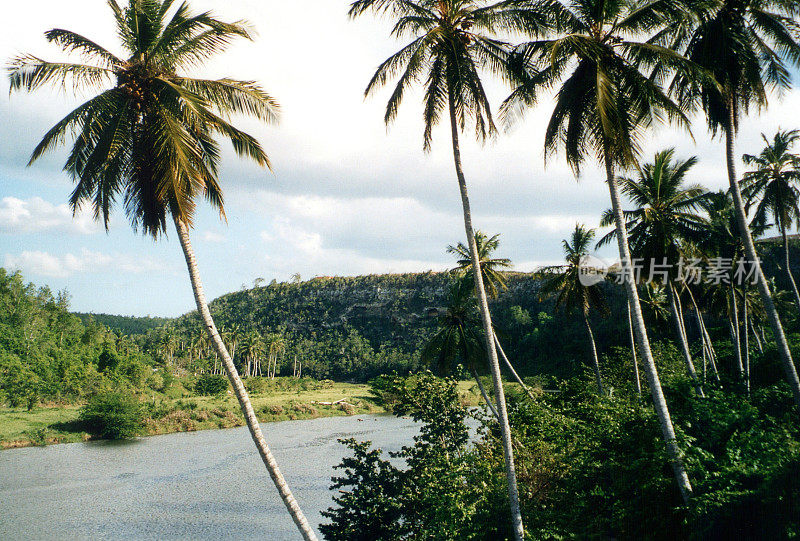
211,385
113,416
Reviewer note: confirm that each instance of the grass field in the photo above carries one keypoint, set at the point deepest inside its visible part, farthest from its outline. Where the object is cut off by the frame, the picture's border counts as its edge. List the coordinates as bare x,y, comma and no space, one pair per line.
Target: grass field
278,402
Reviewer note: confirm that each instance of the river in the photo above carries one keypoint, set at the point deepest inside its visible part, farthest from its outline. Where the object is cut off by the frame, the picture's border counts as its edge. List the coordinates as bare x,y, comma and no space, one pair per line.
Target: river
193,485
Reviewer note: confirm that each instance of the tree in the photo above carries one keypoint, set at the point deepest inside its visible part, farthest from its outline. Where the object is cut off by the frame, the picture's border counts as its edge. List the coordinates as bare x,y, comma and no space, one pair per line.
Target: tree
660,226
453,41
744,44
457,338
773,188
603,106
149,137
574,293
491,267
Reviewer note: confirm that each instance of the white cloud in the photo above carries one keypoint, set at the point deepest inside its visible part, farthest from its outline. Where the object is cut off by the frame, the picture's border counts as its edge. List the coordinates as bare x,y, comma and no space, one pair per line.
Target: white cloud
36,215
213,236
85,262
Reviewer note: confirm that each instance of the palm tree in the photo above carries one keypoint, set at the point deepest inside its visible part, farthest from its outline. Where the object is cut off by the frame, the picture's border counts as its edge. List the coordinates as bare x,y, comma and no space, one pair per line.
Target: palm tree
775,183
149,138
493,280
663,221
458,339
452,42
603,106
574,293
491,267
744,45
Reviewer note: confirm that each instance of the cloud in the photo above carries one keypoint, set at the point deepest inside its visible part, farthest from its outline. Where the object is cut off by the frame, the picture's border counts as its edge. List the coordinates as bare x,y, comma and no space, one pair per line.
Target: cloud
36,215
213,236
45,264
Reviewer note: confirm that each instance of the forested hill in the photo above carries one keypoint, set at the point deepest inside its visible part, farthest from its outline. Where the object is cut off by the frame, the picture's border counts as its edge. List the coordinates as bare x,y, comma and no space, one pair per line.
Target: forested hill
130,325
356,327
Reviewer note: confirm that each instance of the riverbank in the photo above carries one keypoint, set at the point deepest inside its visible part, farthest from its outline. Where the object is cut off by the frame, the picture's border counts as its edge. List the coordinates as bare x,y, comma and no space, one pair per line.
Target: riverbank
59,424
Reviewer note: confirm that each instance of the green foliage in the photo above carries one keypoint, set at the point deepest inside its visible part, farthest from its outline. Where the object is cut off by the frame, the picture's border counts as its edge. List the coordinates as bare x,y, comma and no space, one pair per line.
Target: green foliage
211,385
113,415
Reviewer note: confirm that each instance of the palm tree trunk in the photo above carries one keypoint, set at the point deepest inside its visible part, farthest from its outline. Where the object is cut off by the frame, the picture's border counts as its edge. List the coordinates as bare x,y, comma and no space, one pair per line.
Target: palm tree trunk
750,250
789,266
511,367
511,475
758,340
709,347
734,326
636,379
238,388
651,372
596,362
484,394
746,341
687,356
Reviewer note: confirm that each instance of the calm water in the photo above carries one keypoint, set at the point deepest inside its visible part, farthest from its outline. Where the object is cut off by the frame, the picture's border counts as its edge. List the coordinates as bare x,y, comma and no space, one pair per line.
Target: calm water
196,485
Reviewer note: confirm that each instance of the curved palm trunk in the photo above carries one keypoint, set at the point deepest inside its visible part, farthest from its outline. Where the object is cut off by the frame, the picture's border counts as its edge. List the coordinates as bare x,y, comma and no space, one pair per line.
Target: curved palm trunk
651,372
706,338
596,362
750,250
511,475
677,317
636,379
789,266
746,342
238,388
511,367
484,394
758,340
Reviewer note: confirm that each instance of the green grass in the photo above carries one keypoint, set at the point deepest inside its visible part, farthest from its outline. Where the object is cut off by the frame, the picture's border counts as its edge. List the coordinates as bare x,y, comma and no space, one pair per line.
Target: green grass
282,400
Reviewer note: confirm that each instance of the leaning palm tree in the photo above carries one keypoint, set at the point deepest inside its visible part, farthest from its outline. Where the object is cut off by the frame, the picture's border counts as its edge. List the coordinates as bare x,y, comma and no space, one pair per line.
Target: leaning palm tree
574,293
661,225
149,139
773,188
452,41
744,44
603,106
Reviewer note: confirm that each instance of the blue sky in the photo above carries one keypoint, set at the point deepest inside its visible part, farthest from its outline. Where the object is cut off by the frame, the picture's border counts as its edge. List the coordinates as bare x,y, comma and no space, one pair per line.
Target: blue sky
347,196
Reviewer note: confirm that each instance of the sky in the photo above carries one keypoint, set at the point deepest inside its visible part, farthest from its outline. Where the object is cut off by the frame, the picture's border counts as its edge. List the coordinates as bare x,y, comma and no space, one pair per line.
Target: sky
346,196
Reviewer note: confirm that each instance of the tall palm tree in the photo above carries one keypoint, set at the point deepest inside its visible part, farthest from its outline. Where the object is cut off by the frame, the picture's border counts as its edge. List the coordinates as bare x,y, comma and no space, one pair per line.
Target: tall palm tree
664,220
574,293
744,44
452,41
773,188
149,137
603,106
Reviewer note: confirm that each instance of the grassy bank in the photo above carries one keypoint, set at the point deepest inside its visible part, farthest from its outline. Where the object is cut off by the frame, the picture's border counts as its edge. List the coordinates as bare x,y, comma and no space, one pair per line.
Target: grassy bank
168,414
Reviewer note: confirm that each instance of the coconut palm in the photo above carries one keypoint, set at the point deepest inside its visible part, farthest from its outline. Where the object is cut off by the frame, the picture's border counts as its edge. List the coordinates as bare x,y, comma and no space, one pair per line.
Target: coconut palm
149,138
603,106
452,41
663,221
773,188
575,293
744,44
493,280
491,267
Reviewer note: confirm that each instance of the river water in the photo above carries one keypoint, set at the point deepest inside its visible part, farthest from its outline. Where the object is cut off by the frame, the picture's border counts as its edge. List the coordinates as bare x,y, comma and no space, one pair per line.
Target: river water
194,485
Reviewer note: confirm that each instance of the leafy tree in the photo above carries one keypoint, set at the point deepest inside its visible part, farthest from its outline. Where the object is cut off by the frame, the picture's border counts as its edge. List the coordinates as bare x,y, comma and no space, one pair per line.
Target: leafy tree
151,138
113,415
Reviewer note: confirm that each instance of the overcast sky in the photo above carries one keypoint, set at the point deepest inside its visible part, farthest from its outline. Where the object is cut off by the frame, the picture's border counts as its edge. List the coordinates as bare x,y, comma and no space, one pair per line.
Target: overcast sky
347,196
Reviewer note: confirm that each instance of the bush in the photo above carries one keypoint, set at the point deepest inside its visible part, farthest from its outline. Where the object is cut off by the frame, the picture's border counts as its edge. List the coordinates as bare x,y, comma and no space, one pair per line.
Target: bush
211,385
113,416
